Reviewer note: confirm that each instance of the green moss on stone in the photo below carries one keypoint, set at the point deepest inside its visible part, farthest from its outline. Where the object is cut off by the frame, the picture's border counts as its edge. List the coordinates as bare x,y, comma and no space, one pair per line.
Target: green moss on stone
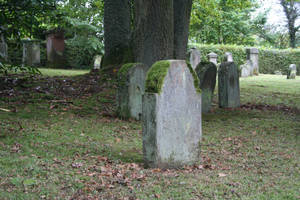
156,75
122,73
196,79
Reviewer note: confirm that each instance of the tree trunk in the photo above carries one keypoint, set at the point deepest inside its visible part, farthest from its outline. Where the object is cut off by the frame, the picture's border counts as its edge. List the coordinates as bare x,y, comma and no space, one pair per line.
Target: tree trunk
182,13
154,31
116,32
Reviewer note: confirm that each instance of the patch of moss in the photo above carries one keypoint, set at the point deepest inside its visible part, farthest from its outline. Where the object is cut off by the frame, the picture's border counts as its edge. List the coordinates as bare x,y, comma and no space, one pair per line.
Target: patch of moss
122,73
196,79
156,75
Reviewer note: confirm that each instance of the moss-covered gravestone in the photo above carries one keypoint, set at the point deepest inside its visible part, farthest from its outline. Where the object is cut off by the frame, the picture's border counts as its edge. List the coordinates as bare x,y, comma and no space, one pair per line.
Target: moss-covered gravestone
207,73
131,87
31,52
292,71
171,115
229,85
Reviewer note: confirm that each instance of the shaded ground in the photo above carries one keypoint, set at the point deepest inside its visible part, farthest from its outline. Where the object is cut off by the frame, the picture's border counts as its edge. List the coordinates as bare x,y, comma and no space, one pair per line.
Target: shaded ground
61,140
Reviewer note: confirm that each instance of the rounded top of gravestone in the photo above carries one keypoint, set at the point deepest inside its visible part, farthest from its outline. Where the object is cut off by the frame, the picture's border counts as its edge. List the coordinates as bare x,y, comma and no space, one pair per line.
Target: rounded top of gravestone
212,55
252,50
292,67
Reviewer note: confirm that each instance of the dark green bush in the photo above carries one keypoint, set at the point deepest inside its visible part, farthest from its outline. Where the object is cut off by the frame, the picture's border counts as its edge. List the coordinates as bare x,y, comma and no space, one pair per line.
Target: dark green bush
270,60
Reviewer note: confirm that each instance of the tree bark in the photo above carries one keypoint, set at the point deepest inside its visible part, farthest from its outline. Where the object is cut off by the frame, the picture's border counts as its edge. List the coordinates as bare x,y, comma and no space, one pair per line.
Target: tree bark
117,31
154,31
182,13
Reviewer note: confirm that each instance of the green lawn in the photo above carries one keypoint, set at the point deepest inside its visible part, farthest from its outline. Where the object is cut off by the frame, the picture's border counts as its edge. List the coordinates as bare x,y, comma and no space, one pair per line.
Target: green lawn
61,147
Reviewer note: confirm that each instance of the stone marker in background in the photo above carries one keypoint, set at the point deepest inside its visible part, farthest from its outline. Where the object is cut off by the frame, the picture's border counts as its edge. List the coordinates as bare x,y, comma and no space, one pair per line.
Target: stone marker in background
31,52
292,71
3,48
252,55
194,57
207,73
97,62
278,72
171,115
131,87
56,49
212,57
228,84
228,57
246,69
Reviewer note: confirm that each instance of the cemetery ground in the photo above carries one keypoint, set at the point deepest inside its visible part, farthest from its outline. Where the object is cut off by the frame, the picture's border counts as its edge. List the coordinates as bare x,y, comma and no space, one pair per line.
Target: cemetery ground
60,139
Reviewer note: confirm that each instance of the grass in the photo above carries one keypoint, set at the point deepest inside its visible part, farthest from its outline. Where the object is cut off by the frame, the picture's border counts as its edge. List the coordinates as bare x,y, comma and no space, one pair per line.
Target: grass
62,72
79,151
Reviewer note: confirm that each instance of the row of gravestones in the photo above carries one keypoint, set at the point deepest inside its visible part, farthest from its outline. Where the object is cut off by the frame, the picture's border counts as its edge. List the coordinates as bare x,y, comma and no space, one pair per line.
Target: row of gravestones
170,100
31,50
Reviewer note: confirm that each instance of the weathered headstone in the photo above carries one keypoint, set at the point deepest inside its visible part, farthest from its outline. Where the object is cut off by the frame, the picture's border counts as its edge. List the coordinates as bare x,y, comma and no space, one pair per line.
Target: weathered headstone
292,71
171,115
3,49
212,57
229,86
97,62
252,55
207,73
31,52
228,57
195,57
56,49
246,69
131,87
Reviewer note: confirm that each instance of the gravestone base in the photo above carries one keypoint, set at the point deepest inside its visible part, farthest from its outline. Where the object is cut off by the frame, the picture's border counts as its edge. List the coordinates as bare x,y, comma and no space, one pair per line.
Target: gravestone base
171,116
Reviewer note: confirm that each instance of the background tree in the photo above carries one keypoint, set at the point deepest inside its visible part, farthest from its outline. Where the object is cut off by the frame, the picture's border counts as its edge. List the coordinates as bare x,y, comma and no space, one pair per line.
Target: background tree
292,12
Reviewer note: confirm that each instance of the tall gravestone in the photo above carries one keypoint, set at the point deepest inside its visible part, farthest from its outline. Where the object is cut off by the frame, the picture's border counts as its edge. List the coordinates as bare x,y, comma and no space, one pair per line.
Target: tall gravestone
228,57
171,115
31,52
56,49
207,73
292,71
252,55
213,57
228,85
3,49
131,87
194,57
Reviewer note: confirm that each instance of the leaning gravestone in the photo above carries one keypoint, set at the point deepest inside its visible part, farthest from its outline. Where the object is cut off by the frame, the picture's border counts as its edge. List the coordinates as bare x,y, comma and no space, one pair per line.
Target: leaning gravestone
195,57
131,87
31,52
171,115
229,86
207,73
292,71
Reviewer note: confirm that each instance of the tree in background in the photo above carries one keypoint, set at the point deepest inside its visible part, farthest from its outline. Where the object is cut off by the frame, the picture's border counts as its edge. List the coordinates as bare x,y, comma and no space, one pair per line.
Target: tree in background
292,12
222,22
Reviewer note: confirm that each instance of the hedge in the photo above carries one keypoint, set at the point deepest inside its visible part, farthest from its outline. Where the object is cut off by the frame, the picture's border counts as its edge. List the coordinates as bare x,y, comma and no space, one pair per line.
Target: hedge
270,60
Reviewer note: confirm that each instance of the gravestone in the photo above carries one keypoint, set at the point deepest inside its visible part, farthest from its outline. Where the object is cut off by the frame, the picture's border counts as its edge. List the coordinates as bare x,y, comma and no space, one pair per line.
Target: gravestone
278,72
246,69
131,87
207,73
195,57
252,55
171,115
3,49
212,57
31,52
229,86
228,57
56,49
97,62
292,71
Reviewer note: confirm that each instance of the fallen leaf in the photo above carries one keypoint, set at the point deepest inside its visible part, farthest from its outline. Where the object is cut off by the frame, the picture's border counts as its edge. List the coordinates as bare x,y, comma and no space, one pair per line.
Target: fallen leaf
222,175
